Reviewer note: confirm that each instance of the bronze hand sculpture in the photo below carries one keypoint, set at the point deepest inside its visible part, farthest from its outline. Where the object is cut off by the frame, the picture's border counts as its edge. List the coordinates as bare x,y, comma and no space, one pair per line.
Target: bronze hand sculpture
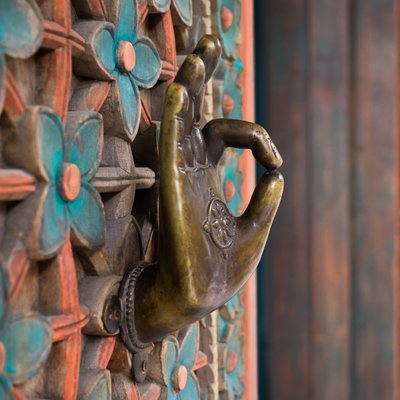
205,254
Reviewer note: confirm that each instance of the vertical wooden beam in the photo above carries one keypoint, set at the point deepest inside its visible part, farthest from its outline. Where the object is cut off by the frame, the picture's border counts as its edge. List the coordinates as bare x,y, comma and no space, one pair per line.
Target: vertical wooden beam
329,200
375,187
246,52
284,281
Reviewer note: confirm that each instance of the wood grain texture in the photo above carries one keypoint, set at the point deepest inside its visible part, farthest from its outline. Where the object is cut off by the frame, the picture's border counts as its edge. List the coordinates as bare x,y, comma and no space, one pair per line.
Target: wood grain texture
329,199
332,266
284,303
375,207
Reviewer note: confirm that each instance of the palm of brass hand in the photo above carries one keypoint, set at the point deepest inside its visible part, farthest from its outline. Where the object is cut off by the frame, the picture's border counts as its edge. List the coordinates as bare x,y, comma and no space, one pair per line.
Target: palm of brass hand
206,254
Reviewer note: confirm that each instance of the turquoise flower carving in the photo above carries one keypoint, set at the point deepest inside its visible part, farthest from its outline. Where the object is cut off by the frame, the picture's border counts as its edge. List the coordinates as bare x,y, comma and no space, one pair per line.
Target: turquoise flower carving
115,52
178,362
229,12
25,343
231,347
64,161
20,33
69,162
183,8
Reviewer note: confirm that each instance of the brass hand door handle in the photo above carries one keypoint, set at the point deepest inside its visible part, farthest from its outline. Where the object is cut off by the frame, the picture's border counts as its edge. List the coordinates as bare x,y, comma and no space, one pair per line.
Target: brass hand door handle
206,254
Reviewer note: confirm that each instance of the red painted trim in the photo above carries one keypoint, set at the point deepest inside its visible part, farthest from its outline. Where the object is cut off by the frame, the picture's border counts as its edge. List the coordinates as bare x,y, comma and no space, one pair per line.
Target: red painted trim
246,81
14,104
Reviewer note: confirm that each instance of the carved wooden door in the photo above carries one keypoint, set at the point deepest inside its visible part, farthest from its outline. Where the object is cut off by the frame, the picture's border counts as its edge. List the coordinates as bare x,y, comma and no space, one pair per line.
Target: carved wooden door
66,240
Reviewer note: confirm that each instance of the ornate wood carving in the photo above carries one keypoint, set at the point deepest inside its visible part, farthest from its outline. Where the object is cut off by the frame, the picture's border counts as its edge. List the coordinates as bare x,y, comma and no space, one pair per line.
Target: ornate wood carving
82,84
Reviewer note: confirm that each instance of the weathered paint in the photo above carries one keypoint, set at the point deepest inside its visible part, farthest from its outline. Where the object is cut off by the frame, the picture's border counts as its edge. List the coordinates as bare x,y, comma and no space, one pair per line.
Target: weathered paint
81,146
229,34
147,67
21,33
184,10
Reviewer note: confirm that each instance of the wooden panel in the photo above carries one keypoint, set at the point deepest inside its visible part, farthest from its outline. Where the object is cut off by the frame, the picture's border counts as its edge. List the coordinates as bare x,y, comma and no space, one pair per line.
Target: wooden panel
246,80
328,204
283,286
375,201
331,274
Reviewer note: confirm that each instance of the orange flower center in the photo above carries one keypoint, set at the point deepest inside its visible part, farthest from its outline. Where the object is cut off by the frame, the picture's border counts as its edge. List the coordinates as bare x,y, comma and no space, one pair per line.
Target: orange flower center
180,378
229,189
231,361
126,56
226,18
71,181
2,357
228,105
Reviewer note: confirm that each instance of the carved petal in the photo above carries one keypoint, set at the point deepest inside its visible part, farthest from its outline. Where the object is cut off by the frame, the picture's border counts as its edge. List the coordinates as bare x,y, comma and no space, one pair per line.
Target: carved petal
189,346
229,36
160,5
2,81
184,10
105,49
55,224
42,132
5,389
87,214
98,61
3,296
148,66
20,27
51,142
233,379
85,141
191,390
130,104
27,340
126,12
170,353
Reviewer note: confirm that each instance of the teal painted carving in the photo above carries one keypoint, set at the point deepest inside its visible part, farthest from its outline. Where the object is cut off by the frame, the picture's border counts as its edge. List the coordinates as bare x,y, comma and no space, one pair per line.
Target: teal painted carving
70,162
115,52
184,10
230,315
227,91
233,181
228,14
25,343
64,163
160,5
20,33
179,356
231,385
231,347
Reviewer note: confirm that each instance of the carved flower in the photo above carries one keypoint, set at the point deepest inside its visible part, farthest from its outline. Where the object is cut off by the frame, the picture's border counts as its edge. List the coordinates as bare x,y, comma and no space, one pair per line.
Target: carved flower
178,362
20,33
230,348
227,90
229,12
232,373
182,7
25,343
70,162
64,163
115,52
184,10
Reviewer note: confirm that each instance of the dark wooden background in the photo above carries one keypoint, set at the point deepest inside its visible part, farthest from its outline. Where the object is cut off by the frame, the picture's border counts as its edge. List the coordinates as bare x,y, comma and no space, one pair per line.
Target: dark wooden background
327,90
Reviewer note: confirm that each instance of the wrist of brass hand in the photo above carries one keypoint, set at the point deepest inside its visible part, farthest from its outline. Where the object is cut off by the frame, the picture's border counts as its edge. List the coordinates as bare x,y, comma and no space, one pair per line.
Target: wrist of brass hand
206,254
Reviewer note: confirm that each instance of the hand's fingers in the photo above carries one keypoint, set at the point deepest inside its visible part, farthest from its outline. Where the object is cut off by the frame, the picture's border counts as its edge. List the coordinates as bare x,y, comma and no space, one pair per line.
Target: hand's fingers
192,74
254,225
188,83
209,50
222,133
